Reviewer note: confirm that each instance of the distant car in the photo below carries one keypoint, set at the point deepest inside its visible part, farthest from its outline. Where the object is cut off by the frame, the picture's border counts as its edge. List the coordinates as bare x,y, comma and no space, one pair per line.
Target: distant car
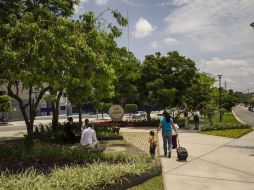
160,112
139,115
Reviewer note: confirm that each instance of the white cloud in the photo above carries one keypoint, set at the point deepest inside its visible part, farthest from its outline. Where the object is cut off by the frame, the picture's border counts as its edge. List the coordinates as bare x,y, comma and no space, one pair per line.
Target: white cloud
143,28
78,8
237,73
173,2
154,45
180,2
170,41
214,25
101,2
132,3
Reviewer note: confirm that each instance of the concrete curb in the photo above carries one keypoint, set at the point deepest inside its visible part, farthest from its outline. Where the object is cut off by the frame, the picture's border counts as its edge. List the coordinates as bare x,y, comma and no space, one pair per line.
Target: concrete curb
136,180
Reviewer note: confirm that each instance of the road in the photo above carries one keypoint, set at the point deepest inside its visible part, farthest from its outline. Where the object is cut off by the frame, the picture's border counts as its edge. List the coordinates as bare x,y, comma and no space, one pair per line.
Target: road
244,115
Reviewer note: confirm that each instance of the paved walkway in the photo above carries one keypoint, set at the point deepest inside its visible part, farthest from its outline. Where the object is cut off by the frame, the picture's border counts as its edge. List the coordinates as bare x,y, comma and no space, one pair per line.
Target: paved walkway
214,163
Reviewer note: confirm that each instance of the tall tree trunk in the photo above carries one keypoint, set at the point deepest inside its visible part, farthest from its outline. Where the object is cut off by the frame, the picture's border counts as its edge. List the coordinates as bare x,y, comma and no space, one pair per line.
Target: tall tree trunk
97,113
55,111
29,119
148,115
80,115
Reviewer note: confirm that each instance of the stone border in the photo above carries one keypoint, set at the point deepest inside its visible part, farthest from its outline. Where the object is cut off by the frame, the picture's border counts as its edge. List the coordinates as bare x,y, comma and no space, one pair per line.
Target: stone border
136,180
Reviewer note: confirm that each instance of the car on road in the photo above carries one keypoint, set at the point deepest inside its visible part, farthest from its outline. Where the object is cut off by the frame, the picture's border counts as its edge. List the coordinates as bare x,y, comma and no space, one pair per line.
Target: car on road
139,115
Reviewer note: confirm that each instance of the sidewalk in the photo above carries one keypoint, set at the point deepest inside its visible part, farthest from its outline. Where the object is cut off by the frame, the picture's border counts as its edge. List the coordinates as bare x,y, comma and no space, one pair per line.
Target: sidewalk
214,163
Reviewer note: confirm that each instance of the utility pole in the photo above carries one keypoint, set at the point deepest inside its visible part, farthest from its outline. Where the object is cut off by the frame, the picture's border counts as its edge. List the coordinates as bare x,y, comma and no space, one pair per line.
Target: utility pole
128,29
225,85
220,75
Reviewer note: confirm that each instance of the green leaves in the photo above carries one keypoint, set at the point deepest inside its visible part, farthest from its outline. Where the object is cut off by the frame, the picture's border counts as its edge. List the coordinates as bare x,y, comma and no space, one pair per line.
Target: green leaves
165,79
5,103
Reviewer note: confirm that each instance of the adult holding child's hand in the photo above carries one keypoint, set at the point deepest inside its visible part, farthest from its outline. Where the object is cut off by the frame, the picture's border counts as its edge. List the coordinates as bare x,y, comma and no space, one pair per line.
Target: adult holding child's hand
166,123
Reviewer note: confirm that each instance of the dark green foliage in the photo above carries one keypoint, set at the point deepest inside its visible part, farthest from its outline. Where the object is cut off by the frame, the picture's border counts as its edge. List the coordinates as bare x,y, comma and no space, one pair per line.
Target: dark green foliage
47,134
165,80
5,103
129,108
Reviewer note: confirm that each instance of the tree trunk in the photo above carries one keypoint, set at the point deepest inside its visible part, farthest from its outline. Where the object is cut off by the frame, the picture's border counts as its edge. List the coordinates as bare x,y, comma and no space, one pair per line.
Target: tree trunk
97,113
148,115
54,116
55,110
28,120
80,115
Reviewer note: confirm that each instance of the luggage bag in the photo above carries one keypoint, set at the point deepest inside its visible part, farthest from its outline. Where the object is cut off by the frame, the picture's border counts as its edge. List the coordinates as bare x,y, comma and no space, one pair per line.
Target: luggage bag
182,153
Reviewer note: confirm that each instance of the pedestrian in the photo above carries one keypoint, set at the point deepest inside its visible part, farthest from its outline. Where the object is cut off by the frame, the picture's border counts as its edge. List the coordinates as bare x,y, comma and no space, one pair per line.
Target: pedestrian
174,136
196,117
166,123
153,143
69,135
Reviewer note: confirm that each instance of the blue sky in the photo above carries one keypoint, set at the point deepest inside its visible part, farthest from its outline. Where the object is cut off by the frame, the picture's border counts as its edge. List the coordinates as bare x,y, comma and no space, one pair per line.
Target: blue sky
216,34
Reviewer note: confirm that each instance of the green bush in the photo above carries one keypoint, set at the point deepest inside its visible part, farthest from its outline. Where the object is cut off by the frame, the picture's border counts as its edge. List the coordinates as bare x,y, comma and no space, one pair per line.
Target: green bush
129,108
43,151
229,133
223,126
5,103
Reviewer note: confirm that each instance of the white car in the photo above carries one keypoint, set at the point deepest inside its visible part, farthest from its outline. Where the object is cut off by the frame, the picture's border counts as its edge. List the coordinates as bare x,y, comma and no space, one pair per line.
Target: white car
139,115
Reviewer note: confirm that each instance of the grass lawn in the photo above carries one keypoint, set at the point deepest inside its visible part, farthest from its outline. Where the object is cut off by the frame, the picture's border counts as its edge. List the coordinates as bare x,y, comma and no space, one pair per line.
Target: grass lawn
155,183
230,133
228,118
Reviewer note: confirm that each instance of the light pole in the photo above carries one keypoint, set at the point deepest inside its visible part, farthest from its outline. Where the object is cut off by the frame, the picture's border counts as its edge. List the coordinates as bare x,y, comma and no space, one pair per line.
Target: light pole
252,25
220,75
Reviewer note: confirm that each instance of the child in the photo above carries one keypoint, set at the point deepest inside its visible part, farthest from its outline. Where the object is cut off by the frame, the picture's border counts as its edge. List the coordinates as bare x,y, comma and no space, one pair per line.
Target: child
174,137
153,143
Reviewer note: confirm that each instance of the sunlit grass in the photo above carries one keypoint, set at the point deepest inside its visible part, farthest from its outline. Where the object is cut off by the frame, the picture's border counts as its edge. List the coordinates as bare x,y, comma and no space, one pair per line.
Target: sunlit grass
155,183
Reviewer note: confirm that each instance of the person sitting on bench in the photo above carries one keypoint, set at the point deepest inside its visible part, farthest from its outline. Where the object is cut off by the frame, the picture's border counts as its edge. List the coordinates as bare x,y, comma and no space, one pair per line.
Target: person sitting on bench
88,138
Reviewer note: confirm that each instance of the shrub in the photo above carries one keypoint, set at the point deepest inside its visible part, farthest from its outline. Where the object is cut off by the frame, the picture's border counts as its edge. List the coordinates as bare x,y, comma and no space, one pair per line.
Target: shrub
131,108
223,126
229,133
94,176
5,103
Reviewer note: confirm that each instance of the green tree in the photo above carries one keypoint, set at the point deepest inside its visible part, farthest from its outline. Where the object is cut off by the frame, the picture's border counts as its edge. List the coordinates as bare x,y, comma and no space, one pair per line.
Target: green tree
5,103
200,93
164,80
127,69
42,51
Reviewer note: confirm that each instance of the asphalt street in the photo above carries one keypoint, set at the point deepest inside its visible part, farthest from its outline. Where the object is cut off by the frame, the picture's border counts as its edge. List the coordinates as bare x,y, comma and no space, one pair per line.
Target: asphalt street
244,115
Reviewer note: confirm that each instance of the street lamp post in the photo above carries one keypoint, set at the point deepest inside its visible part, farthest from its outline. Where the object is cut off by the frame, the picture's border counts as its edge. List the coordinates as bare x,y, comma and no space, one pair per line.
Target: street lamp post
220,75
252,25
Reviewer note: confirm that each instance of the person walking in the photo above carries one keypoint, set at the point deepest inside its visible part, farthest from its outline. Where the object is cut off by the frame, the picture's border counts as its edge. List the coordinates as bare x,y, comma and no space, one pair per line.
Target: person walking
166,123
196,117
153,143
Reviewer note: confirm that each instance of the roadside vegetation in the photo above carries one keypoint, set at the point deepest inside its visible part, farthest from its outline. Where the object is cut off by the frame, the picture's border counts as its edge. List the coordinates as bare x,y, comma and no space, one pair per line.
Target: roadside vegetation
230,133
229,127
